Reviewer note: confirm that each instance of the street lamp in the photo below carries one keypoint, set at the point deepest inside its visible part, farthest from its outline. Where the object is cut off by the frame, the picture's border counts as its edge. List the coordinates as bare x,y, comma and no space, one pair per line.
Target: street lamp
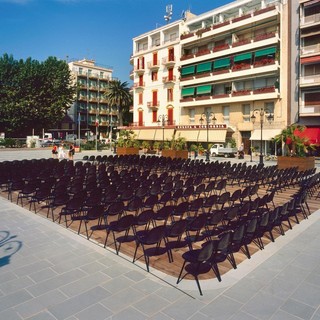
208,117
270,117
162,121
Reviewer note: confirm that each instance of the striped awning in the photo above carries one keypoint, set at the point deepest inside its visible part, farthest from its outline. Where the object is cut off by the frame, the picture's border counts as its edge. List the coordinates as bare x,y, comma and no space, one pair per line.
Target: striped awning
221,63
242,57
265,52
187,91
204,67
187,70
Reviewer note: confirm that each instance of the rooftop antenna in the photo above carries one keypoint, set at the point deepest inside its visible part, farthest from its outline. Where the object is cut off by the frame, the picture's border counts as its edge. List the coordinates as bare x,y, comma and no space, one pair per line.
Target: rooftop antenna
168,15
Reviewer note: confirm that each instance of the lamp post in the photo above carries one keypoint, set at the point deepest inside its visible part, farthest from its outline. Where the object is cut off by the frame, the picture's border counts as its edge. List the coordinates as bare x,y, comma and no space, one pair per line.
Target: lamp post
208,117
162,121
270,117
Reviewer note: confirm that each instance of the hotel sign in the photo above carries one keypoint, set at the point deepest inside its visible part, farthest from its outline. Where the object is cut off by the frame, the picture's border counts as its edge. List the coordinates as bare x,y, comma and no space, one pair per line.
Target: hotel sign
201,126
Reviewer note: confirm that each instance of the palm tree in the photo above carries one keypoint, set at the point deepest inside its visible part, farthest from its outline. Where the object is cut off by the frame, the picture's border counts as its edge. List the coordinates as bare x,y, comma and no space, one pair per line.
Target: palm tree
294,145
118,95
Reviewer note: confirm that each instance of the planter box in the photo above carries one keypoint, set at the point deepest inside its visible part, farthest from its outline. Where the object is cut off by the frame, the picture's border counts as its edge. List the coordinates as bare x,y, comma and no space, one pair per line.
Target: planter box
124,150
302,163
175,154
76,149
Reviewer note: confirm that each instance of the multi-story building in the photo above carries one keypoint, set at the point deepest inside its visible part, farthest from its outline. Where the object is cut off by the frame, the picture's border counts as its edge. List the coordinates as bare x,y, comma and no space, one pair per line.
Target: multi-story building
225,63
309,93
90,111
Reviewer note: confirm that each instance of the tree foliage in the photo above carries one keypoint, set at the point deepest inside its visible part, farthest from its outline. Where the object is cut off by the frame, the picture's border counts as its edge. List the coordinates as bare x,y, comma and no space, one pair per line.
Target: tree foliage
118,94
33,95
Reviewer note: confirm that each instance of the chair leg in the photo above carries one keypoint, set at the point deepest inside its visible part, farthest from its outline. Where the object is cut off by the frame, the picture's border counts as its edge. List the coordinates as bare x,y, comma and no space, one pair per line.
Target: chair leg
198,284
215,269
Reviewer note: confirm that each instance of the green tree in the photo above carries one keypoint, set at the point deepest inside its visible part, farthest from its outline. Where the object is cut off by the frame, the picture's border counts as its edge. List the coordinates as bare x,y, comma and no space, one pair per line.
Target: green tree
118,95
33,95
294,145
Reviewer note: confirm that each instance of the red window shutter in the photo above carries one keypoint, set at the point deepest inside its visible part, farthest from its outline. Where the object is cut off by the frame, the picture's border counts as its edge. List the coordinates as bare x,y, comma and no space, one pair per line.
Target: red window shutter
154,98
140,117
155,59
154,115
170,74
170,116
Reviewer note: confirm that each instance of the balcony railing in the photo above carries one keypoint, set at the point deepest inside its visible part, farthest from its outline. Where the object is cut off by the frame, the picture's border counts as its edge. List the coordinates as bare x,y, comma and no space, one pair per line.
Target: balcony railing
139,85
153,104
153,64
311,49
307,20
168,79
168,60
312,79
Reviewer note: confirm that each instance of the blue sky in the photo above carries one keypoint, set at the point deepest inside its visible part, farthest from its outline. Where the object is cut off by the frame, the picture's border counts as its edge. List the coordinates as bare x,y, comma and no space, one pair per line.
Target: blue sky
96,29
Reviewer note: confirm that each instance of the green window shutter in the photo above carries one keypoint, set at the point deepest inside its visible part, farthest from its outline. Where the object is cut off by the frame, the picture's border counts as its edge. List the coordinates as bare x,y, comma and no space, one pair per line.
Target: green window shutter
204,67
242,57
265,52
187,91
187,70
221,63
204,89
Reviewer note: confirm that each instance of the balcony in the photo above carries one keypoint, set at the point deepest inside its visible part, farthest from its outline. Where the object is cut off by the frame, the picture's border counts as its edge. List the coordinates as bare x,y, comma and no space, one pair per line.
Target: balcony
203,52
221,24
139,69
306,50
310,19
169,79
153,65
187,56
240,93
241,66
241,43
93,99
311,80
153,104
264,10
186,35
139,85
221,47
237,19
264,36
169,61
264,90
92,111
264,62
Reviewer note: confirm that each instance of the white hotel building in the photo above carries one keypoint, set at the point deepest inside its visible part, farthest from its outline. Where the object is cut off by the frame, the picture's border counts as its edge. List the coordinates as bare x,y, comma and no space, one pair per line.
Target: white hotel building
226,63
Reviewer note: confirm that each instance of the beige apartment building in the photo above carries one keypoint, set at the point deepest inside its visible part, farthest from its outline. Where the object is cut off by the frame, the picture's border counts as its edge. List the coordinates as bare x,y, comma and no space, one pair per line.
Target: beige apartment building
204,76
90,112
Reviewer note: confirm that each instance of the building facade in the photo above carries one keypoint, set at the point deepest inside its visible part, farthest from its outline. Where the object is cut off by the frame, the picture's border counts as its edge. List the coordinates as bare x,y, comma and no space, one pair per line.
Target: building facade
90,111
225,64
309,84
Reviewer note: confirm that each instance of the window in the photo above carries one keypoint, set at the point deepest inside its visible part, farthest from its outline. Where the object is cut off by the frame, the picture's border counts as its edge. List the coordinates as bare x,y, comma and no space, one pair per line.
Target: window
246,112
155,98
227,88
154,115
140,98
169,94
170,74
170,116
80,71
226,113
173,36
101,74
154,75
141,80
89,72
140,117
191,115
269,106
171,54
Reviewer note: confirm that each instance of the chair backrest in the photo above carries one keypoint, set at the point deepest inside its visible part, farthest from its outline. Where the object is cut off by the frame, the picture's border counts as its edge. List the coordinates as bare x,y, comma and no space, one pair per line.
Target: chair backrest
155,235
177,228
206,252
224,241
